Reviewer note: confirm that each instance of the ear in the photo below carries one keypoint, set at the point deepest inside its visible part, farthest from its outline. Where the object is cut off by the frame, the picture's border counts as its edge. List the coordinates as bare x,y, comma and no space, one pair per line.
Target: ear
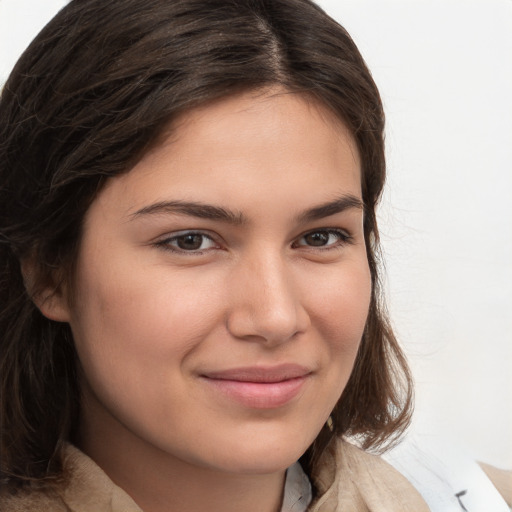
49,297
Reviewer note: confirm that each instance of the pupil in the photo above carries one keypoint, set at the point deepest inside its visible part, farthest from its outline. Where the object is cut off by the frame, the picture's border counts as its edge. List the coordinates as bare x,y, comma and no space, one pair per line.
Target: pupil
319,238
190,242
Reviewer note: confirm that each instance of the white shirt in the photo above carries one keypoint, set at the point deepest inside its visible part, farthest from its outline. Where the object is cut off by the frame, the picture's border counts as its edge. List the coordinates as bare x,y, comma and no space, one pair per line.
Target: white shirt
297,490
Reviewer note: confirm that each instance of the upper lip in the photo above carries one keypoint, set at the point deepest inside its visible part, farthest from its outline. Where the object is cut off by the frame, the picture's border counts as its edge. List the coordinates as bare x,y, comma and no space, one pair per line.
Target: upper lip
263,374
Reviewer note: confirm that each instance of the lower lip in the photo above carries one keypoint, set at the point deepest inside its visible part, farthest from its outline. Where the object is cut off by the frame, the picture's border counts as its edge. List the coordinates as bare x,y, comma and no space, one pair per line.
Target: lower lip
259,395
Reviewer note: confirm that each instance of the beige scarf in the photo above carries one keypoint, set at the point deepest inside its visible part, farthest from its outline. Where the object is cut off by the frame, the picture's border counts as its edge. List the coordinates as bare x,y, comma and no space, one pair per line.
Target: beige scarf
350,480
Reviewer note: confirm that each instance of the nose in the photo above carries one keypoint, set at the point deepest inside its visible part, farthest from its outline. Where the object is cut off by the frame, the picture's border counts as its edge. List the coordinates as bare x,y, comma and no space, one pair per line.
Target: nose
266,305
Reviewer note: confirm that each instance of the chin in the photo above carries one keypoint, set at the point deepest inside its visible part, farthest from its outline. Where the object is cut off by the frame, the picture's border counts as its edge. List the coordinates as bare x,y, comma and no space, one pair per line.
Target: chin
263,453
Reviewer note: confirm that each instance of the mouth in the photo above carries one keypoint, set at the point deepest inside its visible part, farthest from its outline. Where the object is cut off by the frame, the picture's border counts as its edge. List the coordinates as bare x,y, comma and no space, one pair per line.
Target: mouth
259,387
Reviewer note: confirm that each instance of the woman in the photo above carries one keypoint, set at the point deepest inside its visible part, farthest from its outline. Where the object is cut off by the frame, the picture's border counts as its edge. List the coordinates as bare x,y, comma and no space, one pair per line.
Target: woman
190,297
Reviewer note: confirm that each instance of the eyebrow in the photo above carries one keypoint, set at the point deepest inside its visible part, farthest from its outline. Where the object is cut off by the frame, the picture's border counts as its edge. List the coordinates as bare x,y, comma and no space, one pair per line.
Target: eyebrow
345,202
192,209
211,212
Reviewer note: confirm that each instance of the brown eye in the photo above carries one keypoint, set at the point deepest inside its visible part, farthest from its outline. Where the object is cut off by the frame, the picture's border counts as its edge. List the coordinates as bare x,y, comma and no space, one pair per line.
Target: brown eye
324,239
191,242
317,239
188,242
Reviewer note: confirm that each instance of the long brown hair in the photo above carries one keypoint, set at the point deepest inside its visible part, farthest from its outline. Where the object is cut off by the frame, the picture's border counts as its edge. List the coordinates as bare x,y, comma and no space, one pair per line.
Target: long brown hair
89,96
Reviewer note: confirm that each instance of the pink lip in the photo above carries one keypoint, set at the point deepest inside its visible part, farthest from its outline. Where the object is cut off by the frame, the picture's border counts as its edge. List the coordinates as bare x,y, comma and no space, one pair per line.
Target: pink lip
259,387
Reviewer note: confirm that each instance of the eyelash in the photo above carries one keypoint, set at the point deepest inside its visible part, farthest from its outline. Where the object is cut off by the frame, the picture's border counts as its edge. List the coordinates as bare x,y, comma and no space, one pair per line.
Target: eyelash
343,238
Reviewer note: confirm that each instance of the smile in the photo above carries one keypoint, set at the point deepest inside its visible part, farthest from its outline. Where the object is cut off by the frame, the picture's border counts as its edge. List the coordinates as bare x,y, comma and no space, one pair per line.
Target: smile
259,387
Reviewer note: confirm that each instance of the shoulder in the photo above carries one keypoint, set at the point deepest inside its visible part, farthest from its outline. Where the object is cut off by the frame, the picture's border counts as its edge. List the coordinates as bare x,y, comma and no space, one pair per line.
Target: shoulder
84,487
501,479
31,500
448,476
348,478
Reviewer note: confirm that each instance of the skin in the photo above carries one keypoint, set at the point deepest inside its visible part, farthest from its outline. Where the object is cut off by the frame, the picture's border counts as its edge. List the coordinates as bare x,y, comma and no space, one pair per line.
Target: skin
153,312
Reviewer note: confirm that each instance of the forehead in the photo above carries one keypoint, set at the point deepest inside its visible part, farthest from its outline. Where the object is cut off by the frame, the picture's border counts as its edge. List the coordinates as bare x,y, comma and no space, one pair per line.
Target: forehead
254,147
258,111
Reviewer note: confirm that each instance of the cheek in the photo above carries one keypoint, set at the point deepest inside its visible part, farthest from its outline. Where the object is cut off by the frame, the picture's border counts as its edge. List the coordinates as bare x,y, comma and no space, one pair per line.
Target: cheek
134,335
341,305
339,309
136,326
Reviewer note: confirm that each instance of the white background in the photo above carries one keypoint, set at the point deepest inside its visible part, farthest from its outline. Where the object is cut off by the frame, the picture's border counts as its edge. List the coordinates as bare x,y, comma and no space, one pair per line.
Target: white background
444,69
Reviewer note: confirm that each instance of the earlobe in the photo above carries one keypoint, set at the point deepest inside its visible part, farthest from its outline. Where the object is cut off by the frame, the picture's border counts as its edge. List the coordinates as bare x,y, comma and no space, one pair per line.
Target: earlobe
52,305
50,299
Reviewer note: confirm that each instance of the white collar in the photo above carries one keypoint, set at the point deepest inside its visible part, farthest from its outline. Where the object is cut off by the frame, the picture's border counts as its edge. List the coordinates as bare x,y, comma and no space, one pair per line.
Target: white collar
297,490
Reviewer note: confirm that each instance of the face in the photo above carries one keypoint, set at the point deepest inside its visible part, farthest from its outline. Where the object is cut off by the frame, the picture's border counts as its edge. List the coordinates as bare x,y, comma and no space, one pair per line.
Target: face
222,286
